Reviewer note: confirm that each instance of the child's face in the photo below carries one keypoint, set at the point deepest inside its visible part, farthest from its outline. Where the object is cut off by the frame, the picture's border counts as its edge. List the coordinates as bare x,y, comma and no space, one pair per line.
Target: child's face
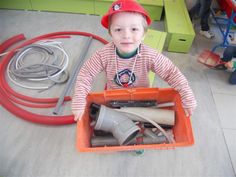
127,31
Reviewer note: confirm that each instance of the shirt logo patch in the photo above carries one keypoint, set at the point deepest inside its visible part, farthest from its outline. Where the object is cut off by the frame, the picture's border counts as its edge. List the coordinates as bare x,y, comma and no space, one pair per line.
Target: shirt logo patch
124,78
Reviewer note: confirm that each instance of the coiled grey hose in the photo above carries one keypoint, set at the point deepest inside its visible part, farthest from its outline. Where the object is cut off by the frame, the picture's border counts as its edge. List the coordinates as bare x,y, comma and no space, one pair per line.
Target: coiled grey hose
50,66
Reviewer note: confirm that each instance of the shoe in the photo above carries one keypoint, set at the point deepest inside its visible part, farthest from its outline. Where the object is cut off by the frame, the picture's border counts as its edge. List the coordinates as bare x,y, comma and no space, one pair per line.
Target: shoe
208,34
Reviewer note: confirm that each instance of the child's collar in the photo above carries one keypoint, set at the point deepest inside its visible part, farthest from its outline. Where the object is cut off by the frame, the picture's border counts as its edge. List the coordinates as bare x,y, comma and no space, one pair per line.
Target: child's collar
126,55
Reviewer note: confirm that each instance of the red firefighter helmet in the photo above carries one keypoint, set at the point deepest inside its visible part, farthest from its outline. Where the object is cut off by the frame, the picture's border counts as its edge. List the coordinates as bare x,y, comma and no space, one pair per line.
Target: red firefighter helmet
124,6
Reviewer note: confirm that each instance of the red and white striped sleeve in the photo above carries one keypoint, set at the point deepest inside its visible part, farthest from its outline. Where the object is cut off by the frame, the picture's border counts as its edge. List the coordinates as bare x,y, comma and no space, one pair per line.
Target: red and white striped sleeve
84,81
172,75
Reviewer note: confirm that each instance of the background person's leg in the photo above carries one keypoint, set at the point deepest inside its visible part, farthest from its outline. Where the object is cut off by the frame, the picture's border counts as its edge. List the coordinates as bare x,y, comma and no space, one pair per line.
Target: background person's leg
194,10
204,13
232,78
229,53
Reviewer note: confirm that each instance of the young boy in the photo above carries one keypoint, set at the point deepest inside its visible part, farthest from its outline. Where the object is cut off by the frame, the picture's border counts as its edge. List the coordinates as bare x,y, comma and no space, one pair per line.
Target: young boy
126,60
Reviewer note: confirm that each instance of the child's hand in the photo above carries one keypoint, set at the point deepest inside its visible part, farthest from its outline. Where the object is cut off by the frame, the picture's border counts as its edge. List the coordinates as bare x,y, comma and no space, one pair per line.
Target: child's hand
78,115
188,112
229,65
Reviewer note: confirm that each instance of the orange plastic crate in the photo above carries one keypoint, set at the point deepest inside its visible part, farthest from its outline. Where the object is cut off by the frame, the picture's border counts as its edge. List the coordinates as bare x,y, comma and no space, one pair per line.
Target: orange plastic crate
182,129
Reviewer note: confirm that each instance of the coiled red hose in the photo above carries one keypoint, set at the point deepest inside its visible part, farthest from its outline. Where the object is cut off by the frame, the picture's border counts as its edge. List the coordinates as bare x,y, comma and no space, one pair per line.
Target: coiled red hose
9,98
9,42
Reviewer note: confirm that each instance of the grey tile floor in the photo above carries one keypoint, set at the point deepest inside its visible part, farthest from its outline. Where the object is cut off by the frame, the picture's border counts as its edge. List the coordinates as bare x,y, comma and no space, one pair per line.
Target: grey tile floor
28,149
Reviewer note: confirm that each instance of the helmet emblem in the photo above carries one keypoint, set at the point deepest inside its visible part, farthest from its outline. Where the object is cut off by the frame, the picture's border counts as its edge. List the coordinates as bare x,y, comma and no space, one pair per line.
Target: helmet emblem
116,7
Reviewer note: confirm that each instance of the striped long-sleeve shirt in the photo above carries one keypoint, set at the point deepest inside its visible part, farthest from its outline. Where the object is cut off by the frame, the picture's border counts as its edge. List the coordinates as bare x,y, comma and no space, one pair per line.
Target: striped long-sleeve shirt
107,60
